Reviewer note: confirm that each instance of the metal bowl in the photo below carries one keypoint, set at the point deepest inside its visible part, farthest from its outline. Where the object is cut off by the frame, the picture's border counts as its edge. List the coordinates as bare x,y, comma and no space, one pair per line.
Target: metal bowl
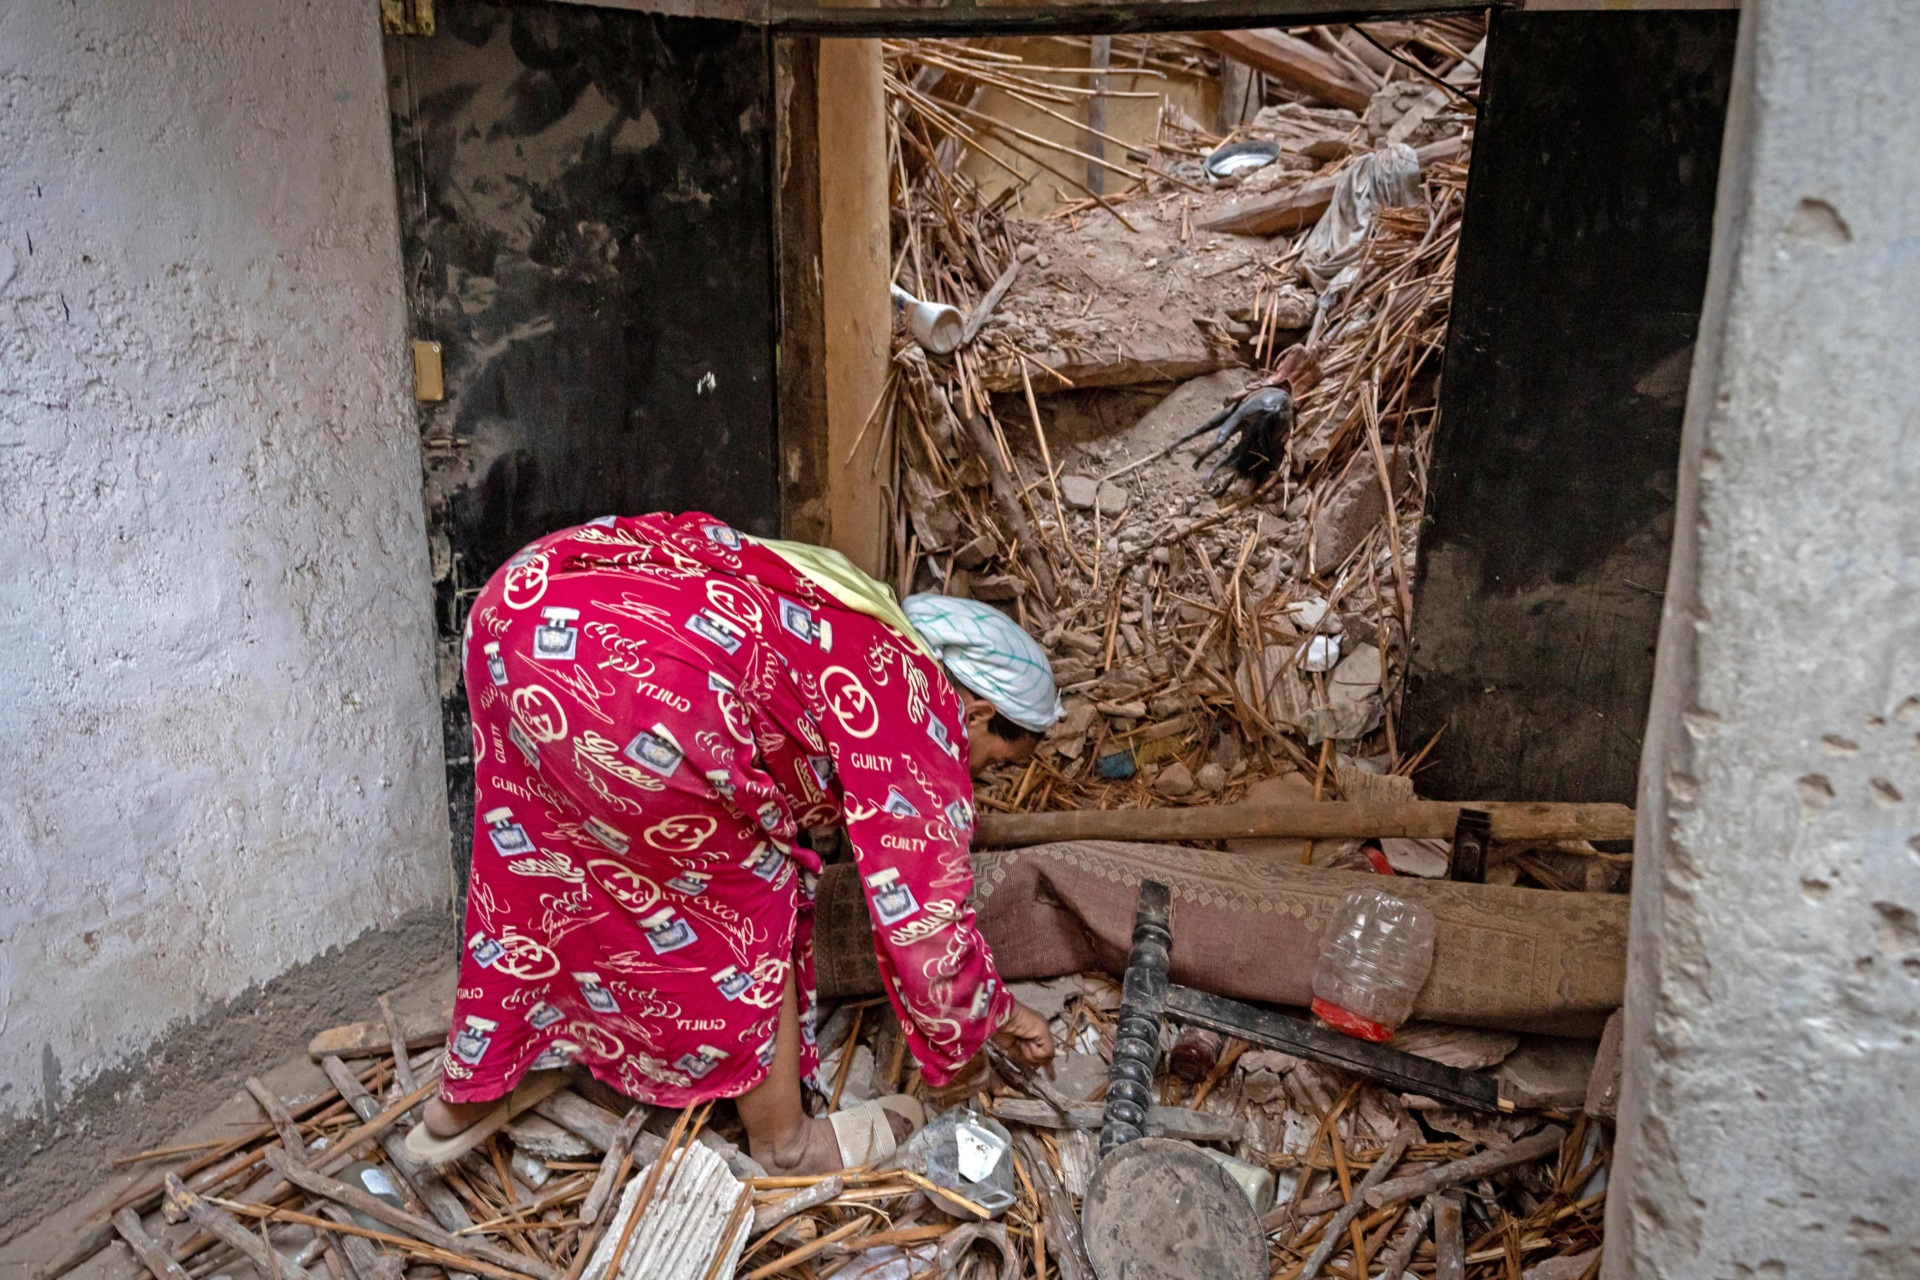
1237,159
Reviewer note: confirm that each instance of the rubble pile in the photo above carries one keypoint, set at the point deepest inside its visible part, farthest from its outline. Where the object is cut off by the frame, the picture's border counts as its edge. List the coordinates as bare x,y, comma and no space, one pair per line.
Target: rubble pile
1206,635
1230,631
1304,1136
589,1185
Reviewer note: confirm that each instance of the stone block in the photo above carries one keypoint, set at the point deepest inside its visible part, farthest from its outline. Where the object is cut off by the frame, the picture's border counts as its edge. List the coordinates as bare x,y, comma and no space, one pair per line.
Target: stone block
1548,1071
1355,508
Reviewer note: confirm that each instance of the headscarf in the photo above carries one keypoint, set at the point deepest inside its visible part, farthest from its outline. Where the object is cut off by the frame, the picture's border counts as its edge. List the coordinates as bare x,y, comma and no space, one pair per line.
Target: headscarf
990,654
838,576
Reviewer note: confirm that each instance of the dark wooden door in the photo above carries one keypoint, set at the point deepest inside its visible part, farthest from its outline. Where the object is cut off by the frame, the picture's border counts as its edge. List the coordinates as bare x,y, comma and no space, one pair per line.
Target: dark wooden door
1583,267
586,224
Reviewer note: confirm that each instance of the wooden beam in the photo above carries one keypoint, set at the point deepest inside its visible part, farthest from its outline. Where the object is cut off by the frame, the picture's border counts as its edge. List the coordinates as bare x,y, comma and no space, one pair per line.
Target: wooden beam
1393,1067
1285,212
801,438
1280,213
1416,819
369,1036
854,274
1241,87
1492,1160
1123,367
146,1248
1292,62
471,1248
992,17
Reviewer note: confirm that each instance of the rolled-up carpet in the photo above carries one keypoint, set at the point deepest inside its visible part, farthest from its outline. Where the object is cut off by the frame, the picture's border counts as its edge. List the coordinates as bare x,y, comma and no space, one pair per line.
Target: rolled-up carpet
1250,928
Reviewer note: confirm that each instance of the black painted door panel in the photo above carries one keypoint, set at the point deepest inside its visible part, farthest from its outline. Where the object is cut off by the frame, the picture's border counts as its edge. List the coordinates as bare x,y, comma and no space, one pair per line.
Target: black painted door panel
1583,267
586,225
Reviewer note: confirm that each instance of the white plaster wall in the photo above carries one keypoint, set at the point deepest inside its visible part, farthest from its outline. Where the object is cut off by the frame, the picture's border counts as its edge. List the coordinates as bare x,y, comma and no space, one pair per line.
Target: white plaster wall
1770,1124
219,737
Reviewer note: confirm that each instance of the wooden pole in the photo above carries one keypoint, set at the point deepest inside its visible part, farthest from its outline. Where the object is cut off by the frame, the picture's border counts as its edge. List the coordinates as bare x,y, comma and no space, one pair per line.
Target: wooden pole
1241,94
467,1247
1449,1248
1348,1213
1480,1165
150,1251
1418,819
854,274
1100,57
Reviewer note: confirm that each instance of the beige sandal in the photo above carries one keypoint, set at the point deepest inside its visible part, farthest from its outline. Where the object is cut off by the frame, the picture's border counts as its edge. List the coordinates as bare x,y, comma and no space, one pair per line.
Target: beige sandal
536,1088
864,1133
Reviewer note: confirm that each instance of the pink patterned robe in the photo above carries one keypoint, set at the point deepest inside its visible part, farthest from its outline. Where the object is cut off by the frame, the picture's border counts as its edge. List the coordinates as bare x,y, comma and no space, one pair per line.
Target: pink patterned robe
660,707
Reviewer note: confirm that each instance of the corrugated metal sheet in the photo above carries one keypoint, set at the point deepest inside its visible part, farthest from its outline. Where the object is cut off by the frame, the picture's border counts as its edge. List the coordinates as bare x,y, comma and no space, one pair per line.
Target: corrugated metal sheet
684,1226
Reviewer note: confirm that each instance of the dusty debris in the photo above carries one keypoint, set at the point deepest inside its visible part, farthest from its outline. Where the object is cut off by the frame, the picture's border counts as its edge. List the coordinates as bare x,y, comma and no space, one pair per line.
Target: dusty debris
1212,649
1308,1140
1203,643
1547,1071
1471,1048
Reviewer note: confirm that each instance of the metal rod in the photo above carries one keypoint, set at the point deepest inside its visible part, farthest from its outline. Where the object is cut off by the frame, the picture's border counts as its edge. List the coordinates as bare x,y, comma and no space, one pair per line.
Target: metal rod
1471,832
1270,1030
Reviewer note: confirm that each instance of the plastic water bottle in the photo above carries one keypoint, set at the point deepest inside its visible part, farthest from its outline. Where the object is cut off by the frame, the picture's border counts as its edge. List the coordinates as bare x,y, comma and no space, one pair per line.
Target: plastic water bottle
1376,957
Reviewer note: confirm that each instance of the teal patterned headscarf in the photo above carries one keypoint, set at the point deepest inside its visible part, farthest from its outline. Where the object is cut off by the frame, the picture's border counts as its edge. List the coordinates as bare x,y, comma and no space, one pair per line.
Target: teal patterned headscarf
986,651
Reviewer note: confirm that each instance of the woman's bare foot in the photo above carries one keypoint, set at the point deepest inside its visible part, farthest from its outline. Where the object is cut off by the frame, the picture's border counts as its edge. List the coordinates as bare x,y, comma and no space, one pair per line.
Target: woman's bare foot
812,1148
780,1135
444,1119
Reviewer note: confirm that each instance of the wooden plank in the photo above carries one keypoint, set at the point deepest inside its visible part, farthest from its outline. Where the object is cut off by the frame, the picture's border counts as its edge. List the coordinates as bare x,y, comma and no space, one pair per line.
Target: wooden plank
1121,368
146,1248
1285,212
1277,213
1307,820
574,1113
988,17
1293,62
1183,1123
802,438
467,1247
854,272
362,1039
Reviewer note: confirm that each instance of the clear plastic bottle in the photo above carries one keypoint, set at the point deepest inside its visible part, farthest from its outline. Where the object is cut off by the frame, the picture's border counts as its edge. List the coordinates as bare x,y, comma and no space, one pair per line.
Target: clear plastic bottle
1375,958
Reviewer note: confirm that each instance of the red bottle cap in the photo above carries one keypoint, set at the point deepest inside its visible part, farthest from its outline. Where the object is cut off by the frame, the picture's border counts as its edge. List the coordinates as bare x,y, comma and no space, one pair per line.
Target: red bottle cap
1351,1023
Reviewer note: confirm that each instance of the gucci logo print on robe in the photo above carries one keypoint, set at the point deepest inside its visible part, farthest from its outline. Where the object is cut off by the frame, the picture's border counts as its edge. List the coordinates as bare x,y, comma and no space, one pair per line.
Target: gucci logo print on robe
659,707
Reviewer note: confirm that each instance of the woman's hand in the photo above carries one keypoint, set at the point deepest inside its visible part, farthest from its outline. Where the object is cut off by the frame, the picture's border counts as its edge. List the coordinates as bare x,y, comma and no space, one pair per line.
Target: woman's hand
1026,1037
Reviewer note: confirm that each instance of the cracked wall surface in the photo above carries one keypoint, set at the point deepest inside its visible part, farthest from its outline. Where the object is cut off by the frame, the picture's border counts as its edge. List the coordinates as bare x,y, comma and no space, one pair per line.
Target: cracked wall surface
1771,1112
219,725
